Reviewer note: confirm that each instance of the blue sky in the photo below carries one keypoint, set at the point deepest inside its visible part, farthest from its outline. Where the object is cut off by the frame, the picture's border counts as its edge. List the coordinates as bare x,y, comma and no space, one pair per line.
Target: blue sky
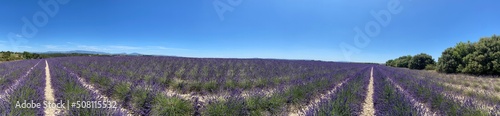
284,29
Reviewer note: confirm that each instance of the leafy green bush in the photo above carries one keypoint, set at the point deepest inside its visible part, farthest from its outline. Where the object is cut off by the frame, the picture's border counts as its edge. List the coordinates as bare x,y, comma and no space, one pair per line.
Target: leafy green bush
478,58
121,90
430,67
400,62
171,106
420,61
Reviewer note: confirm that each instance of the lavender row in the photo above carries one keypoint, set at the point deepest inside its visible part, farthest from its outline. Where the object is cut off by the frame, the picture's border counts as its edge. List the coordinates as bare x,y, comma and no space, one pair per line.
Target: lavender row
388,100
281,102
67,88
429,93
192,74
305,80
11,71
139,99
348,99
488,96
30,90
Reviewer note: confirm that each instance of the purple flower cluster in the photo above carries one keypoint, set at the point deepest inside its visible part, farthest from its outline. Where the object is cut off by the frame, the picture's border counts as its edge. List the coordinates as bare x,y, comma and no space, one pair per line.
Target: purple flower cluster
430,93
11,71
136,81
68,88
206,86
388,100
29,87
348,99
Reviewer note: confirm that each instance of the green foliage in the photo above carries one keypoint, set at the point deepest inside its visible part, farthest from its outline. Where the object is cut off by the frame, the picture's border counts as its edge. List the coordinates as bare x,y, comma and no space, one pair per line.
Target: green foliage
232,106
390,62
105,82
2,81
478,58
211,86
230,84
400,62
171,106
447,62
430,67
139,97
420,61
121,90
11,56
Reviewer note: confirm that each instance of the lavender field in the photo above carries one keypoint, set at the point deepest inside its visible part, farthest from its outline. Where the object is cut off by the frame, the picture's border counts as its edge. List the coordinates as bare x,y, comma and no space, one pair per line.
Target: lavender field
147,85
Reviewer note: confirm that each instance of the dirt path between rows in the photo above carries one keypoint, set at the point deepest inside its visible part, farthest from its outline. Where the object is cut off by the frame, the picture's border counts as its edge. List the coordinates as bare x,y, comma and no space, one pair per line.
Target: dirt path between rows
201,100
99,96
421,106
49,93
315,103
368,108
7,92
462,98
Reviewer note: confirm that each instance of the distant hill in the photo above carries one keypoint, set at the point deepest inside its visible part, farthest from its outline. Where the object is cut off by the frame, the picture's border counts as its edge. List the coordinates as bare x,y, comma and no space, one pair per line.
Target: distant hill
76,52
89,52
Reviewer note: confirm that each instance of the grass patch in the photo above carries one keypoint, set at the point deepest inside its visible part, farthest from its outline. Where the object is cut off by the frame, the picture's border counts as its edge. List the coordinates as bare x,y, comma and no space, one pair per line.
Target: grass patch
2,80
139,97
232,106
121,90
485,87
195,87
244,84
171,106
467,84
475,85
165,81
260,83
210,86
229,85
497,89
104,82
71,89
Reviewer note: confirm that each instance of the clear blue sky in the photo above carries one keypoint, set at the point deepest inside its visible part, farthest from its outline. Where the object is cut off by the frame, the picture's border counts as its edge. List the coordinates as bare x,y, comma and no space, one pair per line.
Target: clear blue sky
285,29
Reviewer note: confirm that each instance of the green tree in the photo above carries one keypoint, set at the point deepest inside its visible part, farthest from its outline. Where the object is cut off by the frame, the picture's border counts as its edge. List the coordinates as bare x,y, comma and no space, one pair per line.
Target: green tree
399,62
420,61
389,63
447,63
27,55
482,57
403,61
6,55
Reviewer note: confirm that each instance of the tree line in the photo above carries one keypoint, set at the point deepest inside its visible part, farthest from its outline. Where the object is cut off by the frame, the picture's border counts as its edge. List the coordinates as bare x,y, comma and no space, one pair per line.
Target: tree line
10,56
419,61
478,58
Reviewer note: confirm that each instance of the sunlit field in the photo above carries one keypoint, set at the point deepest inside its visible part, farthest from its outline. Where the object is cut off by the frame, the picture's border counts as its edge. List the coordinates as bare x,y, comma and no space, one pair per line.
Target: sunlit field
201,86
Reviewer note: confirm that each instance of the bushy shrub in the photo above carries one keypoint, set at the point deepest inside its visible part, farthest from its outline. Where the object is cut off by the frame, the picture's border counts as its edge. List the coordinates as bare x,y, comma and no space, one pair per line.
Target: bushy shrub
399,62
479,58
430,67
420,61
